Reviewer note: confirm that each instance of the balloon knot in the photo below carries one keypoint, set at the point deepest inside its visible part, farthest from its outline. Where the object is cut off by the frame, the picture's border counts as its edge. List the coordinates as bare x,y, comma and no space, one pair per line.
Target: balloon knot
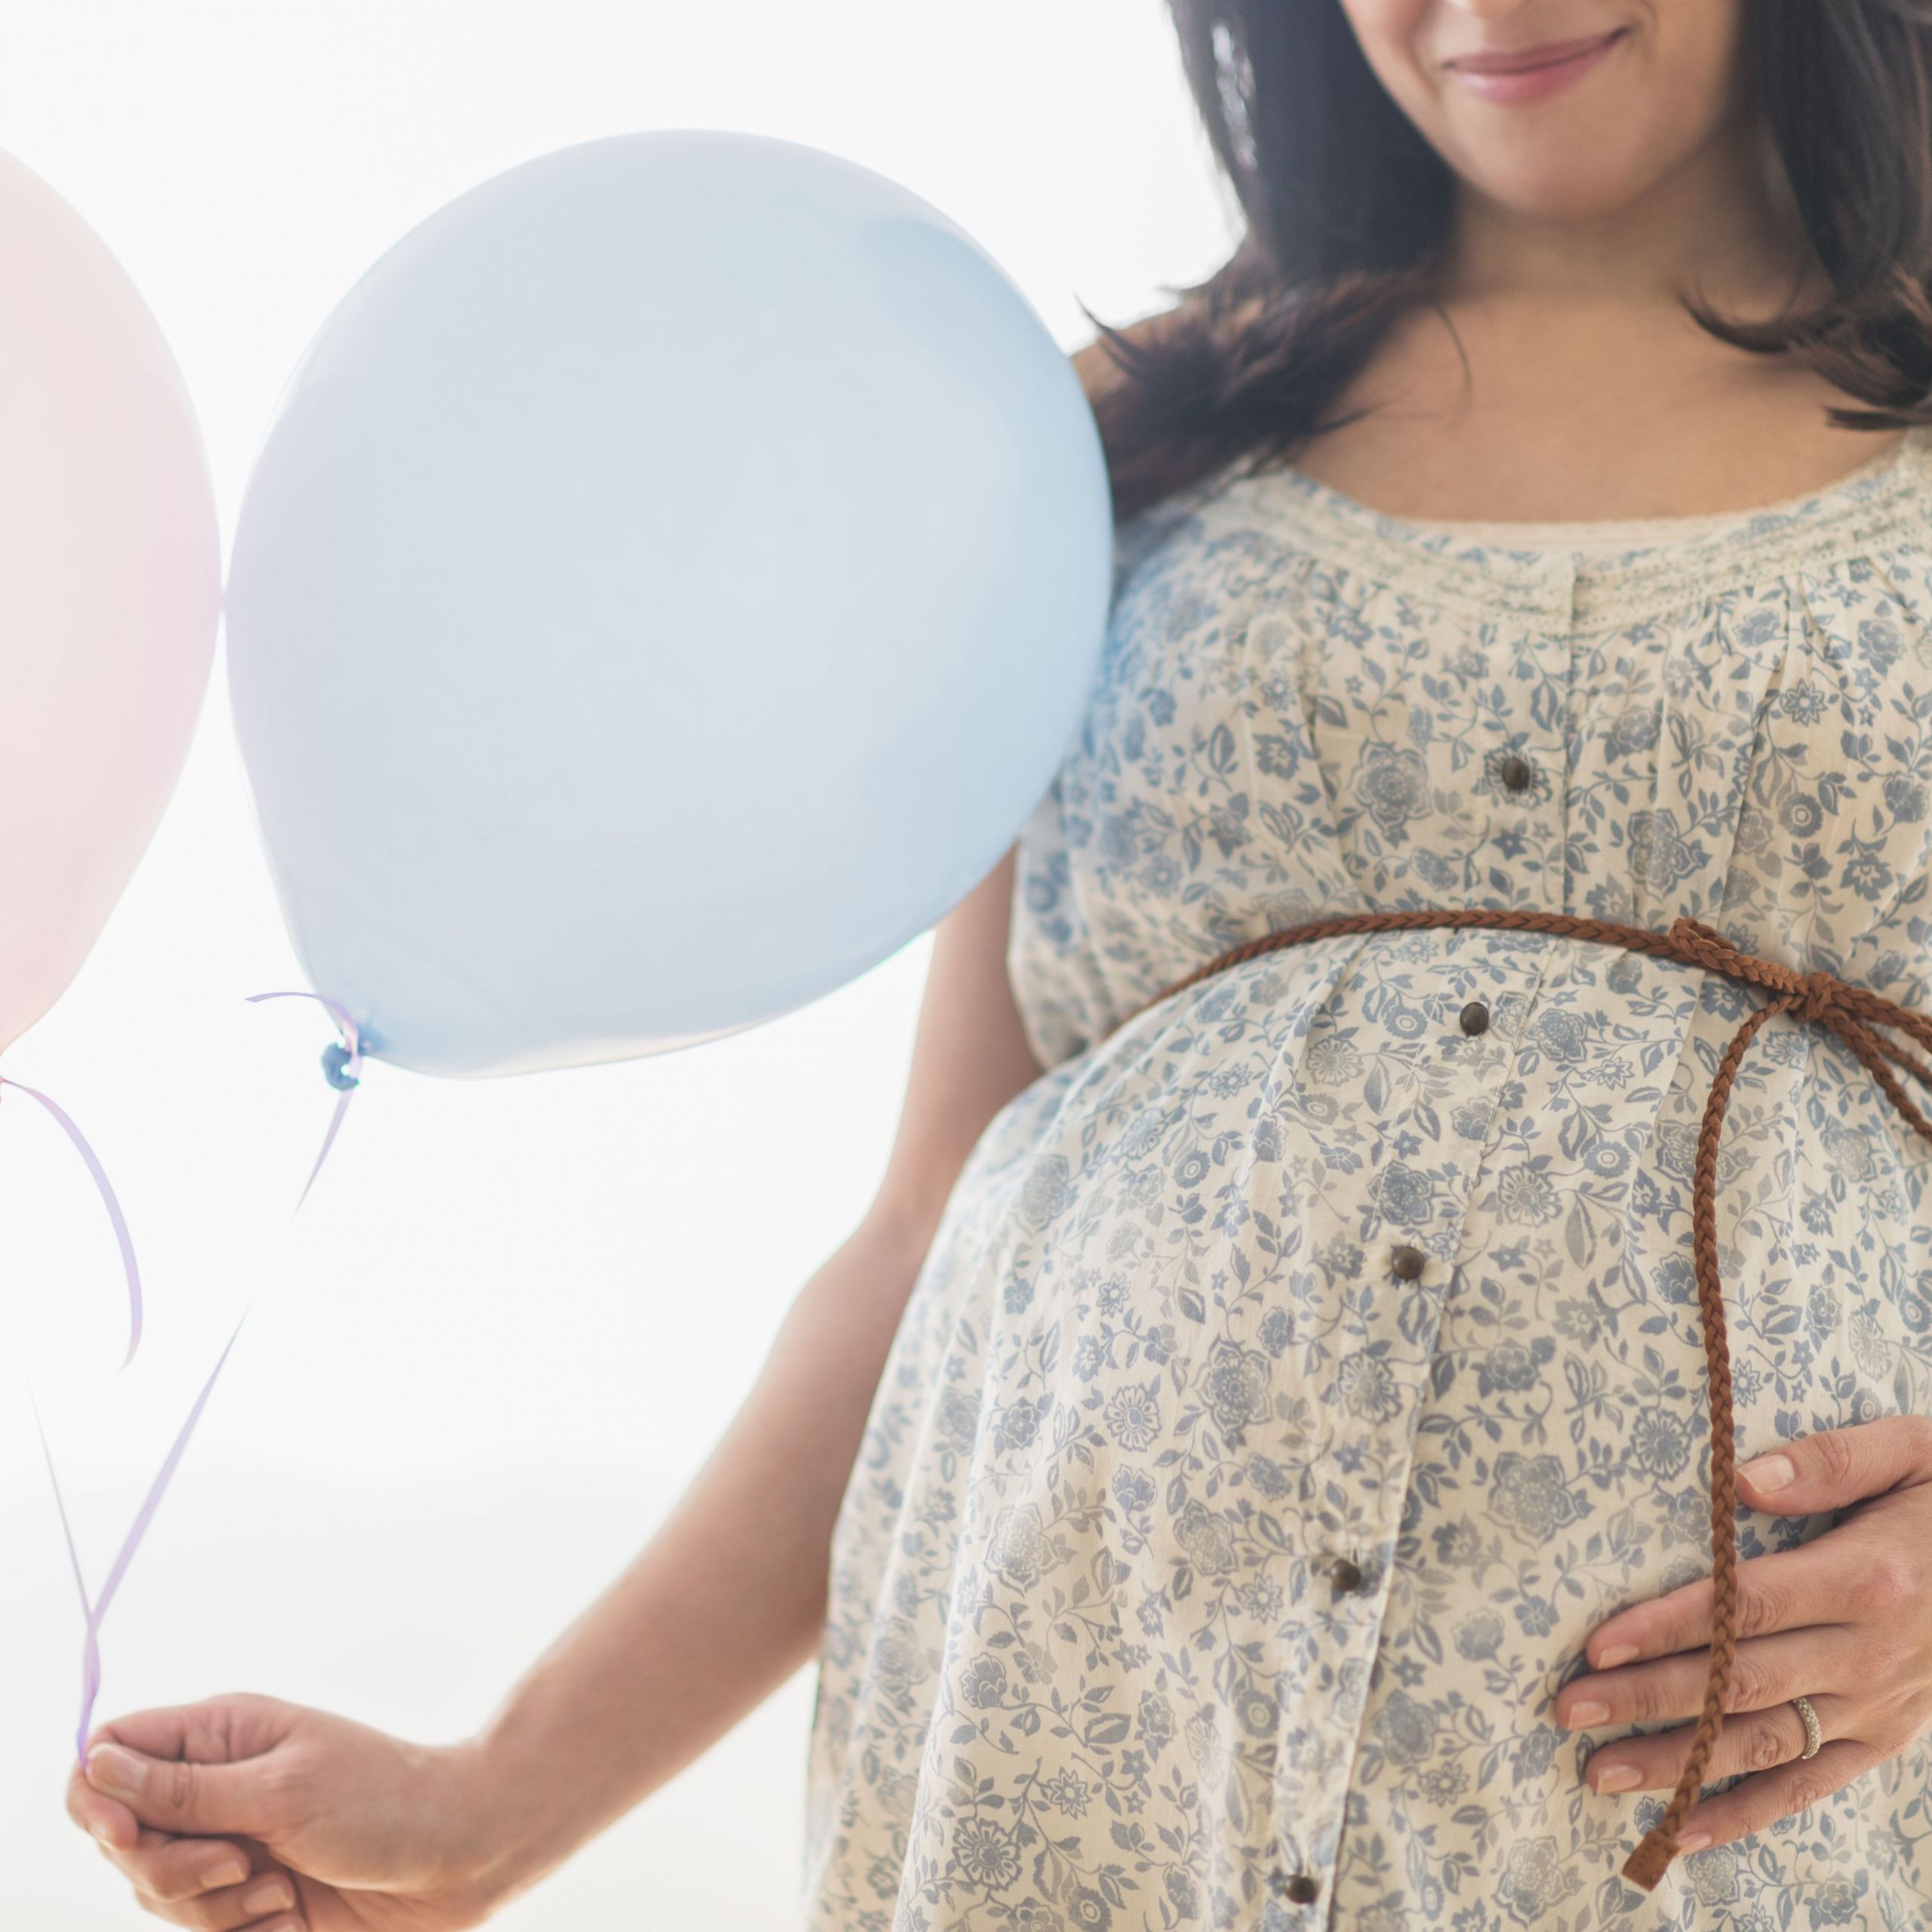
336,1059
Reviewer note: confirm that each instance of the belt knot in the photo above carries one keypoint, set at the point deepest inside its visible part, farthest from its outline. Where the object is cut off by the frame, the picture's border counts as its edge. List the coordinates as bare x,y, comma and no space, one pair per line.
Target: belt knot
1808,996
1817,994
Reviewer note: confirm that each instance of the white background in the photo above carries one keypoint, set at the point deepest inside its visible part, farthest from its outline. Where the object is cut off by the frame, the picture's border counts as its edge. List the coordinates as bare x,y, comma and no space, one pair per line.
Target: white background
515,1314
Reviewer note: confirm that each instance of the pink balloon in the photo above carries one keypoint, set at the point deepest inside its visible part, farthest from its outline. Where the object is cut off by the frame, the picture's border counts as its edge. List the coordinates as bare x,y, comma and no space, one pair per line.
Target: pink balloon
110,587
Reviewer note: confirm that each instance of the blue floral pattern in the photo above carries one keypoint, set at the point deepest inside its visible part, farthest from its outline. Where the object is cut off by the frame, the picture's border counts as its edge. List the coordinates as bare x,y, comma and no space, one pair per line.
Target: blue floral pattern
1206,1563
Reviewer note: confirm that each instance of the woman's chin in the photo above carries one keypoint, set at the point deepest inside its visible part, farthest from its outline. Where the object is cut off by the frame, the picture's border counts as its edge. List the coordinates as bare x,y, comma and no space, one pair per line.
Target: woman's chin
1564,178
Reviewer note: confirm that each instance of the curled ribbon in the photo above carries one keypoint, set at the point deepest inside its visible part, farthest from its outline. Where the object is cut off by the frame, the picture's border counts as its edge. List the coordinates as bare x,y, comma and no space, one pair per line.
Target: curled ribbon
342,1065
130,1269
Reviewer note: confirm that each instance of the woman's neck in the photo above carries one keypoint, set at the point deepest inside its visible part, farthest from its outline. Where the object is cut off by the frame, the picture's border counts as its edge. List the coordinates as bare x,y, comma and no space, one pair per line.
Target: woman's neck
1560,379
1722,226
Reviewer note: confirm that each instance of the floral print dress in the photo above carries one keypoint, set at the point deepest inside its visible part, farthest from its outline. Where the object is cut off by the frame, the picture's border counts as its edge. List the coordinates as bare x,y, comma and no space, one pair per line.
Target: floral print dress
1305,1366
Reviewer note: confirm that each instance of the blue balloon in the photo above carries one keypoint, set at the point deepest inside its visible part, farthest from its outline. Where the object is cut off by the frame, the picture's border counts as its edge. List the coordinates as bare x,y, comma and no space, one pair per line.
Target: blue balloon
674,572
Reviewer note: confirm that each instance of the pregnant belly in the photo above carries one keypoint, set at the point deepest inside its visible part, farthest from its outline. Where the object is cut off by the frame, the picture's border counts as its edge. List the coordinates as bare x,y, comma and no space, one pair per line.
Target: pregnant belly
1340,1359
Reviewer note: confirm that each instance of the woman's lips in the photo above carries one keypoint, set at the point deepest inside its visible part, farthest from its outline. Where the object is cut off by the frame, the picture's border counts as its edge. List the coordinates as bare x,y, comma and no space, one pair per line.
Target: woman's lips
1531,73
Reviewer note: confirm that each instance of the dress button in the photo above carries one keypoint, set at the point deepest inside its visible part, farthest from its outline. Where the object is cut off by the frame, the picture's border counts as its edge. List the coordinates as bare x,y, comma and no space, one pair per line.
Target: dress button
1516,774
1300,1887
1475,1017
1408,1263
1346,1576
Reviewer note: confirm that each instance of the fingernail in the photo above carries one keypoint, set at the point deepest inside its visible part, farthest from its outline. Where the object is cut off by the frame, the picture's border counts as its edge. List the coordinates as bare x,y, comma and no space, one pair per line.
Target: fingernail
1618,1777
1766,1473
1582,1716
271,1897
229,1872
110,1768
106,1837
1693,1840
1617,1653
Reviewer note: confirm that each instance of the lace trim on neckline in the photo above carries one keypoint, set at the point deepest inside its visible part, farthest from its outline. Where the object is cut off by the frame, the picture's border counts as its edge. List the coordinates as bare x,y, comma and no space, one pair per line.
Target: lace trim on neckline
1596,576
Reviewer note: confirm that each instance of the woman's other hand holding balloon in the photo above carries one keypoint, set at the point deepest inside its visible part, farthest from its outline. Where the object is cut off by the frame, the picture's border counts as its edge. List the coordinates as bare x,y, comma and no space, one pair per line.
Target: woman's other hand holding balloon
244,1812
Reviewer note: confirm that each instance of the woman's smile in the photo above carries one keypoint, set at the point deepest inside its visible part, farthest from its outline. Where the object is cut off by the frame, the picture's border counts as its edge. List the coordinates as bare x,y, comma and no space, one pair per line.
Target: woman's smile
1514,77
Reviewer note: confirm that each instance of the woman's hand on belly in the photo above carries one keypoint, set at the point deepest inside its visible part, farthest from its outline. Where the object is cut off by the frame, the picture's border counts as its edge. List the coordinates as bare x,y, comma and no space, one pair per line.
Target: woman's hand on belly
1844,1621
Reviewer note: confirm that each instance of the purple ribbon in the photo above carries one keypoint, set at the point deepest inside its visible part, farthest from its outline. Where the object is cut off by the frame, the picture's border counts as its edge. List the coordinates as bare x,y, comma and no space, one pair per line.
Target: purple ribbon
130,1267
344,1065
95,1610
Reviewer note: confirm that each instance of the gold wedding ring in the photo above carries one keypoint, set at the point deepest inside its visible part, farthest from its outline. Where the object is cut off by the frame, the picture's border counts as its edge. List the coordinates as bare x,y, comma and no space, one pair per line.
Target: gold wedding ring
1814,1732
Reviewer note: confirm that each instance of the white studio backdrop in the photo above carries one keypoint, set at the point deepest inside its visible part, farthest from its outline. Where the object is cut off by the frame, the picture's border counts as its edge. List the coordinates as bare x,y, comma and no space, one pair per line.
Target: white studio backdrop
514,1315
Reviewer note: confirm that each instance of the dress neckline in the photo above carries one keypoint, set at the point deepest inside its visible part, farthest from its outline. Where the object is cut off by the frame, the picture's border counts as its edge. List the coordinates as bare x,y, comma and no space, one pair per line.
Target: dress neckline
1633,532
1595,572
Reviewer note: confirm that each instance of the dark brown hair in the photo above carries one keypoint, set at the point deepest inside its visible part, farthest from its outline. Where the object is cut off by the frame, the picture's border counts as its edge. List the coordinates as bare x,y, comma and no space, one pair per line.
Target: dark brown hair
1347,210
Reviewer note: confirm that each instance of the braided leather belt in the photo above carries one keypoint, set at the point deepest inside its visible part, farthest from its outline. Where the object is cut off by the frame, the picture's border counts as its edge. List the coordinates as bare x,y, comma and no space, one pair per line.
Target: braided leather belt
1854,1015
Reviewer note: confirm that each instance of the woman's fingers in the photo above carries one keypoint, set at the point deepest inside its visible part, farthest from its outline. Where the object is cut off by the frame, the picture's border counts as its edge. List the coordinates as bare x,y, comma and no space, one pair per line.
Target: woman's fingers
266,1902
158,1785
197,1768
217,1730
1750,1741
170,1870
1767,1671
1824,1581
1754,1803
106,1818
180,1794
1864,1572
1838,1467
162,1867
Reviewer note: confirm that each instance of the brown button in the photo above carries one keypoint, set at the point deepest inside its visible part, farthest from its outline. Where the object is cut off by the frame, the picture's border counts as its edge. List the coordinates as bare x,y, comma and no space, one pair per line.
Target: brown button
1301,1889
1408,1263
1516,774
1346,1576
1475,1017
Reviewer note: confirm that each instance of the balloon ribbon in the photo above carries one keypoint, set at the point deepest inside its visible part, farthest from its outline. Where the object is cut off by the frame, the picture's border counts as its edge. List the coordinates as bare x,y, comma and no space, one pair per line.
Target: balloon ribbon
342,1064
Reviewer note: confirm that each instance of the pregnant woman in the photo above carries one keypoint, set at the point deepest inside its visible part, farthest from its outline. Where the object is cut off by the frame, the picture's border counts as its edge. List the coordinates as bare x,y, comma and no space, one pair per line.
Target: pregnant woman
1254,1467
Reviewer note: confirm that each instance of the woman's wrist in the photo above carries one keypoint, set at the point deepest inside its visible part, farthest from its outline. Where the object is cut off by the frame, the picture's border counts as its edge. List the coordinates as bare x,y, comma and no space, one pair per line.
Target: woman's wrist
514,1809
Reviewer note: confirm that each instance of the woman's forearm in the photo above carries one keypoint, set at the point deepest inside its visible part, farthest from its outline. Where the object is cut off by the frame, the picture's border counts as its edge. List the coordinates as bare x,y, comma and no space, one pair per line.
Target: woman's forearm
723,1604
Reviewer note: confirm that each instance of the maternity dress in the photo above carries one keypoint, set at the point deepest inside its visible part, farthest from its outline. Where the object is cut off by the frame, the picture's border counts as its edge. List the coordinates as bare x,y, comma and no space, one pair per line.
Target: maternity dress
1303,1367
